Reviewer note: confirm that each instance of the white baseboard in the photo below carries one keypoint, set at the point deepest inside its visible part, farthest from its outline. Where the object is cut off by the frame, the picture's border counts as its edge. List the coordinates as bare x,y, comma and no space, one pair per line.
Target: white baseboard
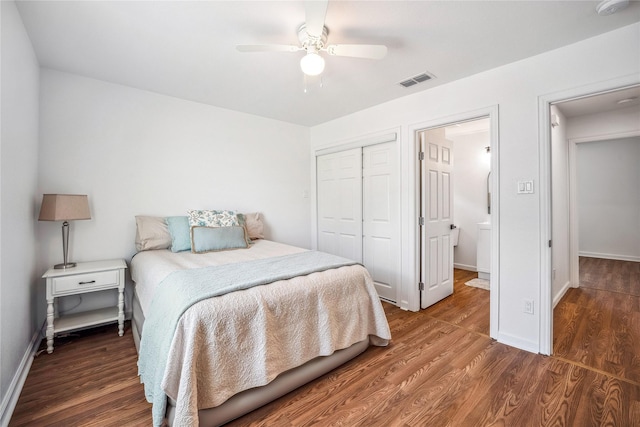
15,388
610,256
518,342
563,291
465,267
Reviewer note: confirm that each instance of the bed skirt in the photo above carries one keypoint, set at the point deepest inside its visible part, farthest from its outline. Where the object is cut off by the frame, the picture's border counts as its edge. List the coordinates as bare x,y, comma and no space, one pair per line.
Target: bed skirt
248,400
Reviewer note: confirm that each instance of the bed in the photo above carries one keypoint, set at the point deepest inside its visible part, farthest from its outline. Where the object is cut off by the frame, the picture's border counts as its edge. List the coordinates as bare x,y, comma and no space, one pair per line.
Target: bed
230,353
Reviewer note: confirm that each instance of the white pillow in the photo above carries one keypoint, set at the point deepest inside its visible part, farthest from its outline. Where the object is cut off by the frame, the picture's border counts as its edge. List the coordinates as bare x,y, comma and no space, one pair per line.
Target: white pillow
254,225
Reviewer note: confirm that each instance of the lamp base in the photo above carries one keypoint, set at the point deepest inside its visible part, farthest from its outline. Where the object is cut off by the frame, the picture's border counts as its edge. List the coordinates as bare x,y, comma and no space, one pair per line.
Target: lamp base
63,266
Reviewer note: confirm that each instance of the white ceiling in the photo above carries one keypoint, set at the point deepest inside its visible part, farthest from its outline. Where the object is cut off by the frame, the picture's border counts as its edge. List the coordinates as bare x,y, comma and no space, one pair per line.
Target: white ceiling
467,127
187,49
609,101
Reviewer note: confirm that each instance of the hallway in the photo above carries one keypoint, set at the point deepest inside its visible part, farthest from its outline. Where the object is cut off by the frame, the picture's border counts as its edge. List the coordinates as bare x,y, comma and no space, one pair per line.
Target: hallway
598,324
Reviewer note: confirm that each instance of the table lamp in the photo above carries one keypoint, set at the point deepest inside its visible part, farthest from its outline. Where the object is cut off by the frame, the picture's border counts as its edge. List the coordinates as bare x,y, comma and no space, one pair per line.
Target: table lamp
64,207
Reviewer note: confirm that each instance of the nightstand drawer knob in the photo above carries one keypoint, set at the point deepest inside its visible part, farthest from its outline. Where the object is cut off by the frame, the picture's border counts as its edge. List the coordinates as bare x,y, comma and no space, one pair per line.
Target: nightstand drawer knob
86,283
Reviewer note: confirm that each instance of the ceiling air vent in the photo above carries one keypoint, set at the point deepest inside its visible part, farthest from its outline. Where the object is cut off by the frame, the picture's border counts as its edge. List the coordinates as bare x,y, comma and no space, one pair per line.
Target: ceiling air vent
416,79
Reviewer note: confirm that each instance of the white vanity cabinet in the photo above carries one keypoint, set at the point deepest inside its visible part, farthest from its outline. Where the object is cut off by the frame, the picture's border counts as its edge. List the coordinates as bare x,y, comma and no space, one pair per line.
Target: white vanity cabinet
483,251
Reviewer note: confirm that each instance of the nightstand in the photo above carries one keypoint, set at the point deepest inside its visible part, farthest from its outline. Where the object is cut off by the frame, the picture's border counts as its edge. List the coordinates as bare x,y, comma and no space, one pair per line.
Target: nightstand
84,277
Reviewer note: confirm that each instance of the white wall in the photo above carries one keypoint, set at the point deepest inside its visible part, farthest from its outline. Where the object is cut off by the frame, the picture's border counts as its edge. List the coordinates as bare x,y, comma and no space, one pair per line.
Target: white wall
561,260
516,89
18,195
608,198
135,152
471,165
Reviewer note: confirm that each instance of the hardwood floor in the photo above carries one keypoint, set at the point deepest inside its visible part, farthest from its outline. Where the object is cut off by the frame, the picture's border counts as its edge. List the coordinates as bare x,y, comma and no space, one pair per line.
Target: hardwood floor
91,379
441,369
468,307
610,275
598,324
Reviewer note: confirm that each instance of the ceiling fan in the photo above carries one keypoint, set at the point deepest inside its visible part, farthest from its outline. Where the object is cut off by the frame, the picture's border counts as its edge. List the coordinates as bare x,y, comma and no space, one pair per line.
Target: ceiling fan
313,39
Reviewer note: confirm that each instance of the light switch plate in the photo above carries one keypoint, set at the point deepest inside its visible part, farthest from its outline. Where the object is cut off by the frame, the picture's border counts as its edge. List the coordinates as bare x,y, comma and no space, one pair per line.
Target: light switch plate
525,187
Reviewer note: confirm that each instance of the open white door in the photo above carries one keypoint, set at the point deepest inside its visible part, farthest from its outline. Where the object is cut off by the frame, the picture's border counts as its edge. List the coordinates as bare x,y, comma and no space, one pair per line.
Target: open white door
436,216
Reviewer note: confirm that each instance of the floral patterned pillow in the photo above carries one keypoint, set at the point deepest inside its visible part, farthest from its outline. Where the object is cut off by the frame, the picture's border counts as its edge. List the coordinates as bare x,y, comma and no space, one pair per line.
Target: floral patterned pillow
212,218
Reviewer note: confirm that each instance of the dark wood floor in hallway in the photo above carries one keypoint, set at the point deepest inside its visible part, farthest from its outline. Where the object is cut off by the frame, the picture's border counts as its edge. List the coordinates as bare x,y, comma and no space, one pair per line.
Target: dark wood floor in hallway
598,324
441,369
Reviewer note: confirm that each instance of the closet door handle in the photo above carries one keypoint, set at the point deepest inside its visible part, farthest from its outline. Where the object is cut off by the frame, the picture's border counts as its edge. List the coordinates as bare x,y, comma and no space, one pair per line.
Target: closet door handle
453,226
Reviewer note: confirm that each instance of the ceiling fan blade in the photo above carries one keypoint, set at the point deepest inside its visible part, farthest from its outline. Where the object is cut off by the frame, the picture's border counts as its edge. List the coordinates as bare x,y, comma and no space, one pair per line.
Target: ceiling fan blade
268,48
369,51
315,12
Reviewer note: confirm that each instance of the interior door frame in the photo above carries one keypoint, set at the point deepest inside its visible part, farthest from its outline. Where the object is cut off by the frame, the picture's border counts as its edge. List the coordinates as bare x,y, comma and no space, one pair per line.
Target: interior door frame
492,113
544,152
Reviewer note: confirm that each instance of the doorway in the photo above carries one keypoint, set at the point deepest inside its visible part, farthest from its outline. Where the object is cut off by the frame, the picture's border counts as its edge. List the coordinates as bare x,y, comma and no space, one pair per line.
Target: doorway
454,164
595,255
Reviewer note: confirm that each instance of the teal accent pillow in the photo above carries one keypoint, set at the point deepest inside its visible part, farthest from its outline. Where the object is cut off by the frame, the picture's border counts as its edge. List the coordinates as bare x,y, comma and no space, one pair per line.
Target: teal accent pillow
210,239
179,230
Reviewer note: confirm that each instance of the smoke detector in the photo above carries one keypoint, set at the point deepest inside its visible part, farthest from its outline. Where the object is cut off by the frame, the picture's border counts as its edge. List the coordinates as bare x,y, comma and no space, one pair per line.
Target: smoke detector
627,100
609,7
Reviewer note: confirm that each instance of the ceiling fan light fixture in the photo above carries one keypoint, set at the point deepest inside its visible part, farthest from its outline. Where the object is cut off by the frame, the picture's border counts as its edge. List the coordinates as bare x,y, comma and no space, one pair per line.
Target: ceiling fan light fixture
312,64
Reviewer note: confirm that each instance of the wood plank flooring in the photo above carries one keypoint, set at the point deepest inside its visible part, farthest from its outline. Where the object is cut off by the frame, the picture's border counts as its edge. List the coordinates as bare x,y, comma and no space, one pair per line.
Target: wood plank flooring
468,307
610,275
441,369
598,324
91,379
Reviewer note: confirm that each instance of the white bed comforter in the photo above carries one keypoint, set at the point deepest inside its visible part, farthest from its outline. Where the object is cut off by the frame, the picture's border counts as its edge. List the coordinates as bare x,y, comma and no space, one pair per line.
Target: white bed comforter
244,339
149,268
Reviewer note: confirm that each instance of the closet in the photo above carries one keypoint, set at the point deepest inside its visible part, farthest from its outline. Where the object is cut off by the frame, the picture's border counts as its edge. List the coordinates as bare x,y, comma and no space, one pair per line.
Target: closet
358,210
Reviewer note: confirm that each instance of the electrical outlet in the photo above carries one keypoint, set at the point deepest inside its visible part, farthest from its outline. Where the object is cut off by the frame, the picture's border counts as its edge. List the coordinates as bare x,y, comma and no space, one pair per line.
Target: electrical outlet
528,306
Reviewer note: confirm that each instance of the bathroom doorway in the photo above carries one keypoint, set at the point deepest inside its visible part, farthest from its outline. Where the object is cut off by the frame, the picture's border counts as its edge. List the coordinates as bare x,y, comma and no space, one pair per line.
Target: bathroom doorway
455,207
472,196
422,271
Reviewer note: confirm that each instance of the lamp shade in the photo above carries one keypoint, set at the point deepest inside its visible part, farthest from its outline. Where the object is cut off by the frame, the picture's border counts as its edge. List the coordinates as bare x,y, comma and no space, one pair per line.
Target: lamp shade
64,207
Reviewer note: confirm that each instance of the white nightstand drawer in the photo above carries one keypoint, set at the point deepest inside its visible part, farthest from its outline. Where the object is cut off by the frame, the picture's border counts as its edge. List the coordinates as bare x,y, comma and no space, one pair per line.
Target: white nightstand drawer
89,281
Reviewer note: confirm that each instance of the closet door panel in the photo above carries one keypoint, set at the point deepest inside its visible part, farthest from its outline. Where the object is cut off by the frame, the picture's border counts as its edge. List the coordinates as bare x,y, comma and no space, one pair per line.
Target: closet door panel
380,217
339,188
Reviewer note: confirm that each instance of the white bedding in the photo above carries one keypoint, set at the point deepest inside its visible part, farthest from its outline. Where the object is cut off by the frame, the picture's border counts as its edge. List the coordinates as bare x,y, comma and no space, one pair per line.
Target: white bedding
149,268
244,339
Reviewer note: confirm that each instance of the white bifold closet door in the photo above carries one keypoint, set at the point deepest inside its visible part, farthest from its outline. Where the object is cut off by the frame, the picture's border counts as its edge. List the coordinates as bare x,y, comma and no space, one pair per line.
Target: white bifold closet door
339,182
358,211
